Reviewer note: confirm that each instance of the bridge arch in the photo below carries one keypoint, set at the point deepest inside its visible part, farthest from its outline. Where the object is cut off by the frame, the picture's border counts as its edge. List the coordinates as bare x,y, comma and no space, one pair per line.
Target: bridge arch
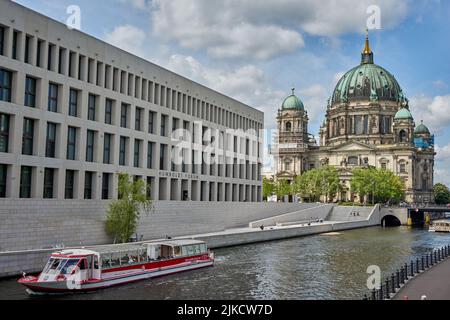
390,221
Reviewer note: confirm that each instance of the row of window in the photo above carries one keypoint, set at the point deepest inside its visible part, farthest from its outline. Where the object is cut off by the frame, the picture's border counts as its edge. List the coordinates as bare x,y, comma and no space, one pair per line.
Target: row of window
252,170
83,68
359,125
92,114
26,178
232,192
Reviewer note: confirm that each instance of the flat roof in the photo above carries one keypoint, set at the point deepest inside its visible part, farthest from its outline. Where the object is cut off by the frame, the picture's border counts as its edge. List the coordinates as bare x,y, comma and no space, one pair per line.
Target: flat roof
176,243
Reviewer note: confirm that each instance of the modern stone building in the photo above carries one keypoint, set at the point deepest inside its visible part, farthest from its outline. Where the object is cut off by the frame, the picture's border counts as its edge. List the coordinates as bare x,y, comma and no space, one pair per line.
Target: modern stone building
75,112
367,123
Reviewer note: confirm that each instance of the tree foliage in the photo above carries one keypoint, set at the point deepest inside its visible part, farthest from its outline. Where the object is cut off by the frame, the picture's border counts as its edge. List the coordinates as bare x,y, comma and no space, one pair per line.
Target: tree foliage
282,188
382,185
316,183
123,214
268,188
441,193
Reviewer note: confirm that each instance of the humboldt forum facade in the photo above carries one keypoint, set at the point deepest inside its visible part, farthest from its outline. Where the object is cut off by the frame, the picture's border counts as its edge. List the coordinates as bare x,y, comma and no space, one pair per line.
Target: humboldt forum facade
367,123
75,112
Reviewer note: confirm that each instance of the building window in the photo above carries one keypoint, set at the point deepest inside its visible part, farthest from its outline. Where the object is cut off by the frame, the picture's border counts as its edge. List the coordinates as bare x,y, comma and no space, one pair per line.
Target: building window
151,145
137,153
53,97
105,186
90,146
5,85
4,132
30,92
3,176
403,137
25,182
2,40
107,149
88,185
138,118
353,161
73,103
70,182
50,56
108,111
288,126
384,165
27,49
14,44
50,146
48,183
162,157
27,138
151,122
71,143
124,116
122,151
402,168
164,119
92,107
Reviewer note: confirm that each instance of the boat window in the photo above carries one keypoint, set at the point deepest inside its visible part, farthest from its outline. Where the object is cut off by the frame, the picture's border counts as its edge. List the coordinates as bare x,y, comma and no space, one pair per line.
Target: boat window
50,264
68,265
190,250
203,248
185,251
177,251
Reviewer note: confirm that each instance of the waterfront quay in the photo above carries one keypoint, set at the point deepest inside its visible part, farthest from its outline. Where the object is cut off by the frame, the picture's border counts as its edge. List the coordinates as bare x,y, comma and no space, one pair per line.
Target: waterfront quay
432,284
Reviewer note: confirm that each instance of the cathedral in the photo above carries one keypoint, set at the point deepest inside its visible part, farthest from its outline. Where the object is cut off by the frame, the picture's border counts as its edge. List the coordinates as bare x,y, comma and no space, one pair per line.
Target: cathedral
367,123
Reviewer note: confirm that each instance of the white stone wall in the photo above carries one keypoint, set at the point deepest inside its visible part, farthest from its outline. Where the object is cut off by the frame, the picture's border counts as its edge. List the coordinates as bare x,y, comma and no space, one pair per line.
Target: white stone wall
37,224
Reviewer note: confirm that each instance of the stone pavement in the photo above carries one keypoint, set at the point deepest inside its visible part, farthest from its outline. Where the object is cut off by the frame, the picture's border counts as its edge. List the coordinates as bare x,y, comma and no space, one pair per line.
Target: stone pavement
433,283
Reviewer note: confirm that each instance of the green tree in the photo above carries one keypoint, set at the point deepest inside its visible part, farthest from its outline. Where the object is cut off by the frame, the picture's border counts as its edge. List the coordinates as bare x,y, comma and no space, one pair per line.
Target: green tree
441,193
282,188
315,183
268,188
381,185
123,214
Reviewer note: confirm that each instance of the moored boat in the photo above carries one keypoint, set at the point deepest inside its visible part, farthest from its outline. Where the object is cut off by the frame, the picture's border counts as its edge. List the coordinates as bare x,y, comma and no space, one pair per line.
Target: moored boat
81,270
440,226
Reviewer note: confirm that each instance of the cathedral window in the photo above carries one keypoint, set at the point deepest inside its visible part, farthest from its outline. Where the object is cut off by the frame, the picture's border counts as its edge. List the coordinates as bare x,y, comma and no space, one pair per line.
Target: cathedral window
402,167
353,161
288,126
402,136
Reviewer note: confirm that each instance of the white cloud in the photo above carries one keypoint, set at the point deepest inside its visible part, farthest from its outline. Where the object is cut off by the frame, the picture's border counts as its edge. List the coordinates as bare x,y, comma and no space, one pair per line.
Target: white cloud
261,28
434,111
248,84
442,171
128,38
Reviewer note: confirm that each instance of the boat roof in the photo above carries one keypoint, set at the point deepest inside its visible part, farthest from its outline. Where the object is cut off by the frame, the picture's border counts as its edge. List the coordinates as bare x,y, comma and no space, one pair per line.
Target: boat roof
108,249
178,243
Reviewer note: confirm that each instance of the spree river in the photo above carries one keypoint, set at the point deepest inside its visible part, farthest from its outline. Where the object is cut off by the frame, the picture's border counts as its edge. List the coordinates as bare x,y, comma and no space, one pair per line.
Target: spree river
318,267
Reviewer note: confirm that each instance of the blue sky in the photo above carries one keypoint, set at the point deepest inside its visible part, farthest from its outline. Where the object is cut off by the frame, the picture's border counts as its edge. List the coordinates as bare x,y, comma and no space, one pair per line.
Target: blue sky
256,50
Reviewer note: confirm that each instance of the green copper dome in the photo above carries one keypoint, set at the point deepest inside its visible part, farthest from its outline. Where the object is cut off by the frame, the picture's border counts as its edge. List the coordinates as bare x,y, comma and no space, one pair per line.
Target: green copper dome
292,103
403,113
367,82
422,129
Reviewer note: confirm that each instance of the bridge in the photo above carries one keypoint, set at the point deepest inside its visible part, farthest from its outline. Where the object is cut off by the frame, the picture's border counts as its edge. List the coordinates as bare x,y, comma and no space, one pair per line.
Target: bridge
412,215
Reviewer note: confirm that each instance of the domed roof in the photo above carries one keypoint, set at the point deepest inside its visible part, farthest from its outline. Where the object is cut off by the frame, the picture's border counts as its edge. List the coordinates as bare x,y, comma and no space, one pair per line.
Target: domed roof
292,102
367,82
403,113
422,129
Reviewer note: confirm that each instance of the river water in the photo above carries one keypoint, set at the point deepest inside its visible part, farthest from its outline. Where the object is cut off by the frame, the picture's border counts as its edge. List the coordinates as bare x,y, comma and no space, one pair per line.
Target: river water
318,267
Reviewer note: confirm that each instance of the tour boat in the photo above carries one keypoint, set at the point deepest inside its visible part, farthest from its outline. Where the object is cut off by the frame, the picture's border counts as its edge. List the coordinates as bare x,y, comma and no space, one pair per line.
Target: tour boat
82,270
440,226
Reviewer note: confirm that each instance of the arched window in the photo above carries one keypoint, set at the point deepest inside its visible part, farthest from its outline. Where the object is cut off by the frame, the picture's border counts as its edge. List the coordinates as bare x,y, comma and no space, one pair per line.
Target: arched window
288,126
402,136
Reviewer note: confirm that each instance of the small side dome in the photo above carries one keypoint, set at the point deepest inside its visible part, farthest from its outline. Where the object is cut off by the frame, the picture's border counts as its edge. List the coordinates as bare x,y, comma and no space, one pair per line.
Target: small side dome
292,102
422,129
403,114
